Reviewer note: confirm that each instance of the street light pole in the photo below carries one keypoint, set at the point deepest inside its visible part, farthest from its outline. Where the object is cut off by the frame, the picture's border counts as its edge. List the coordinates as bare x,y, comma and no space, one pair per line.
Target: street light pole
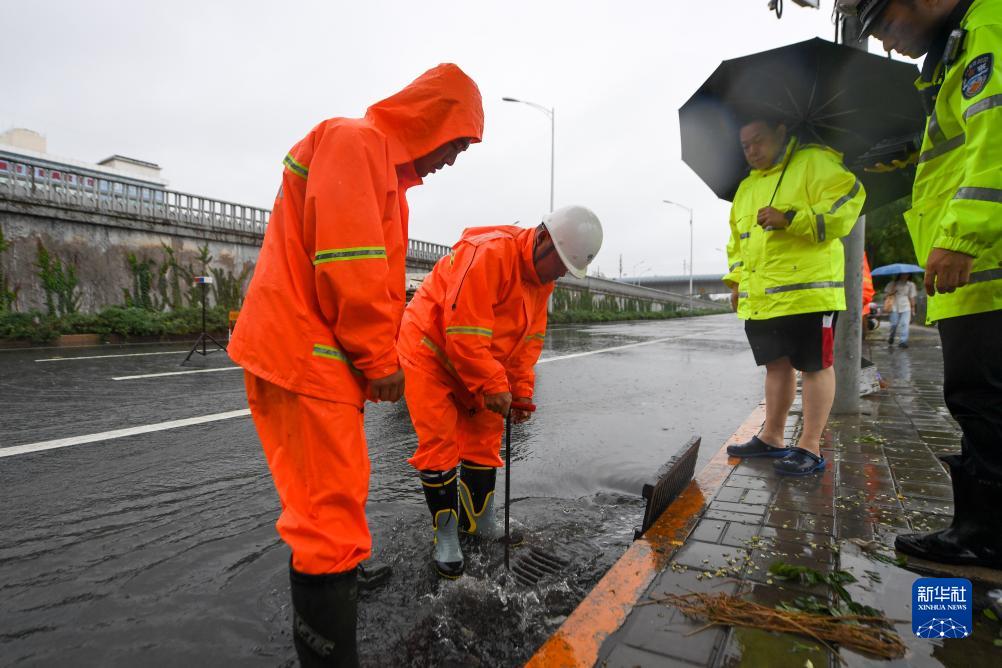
849,332
551,113
690,246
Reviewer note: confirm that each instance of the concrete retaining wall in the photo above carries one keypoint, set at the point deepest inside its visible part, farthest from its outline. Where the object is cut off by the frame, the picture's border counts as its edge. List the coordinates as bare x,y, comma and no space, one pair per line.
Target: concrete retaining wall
97,245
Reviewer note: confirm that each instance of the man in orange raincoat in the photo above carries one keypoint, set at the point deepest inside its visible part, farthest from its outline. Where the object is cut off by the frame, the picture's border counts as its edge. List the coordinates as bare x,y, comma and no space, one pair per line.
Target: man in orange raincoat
317,332
468,344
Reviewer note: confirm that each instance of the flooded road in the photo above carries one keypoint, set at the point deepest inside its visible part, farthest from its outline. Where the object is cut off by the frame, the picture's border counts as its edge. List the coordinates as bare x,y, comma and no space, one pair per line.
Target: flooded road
159,548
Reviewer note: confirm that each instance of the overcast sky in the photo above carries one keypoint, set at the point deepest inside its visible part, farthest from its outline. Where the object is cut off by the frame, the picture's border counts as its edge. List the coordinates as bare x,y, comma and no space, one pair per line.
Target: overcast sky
216,92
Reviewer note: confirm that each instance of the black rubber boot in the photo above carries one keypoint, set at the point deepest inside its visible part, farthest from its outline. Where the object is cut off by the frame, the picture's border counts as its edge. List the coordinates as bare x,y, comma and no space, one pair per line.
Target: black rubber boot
324,616
440,493
477,515
974,538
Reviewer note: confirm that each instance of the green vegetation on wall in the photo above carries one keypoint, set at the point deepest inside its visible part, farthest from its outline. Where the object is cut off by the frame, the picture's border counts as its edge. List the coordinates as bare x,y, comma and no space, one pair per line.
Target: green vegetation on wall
59,283
158,287
142,284
8,293
583,306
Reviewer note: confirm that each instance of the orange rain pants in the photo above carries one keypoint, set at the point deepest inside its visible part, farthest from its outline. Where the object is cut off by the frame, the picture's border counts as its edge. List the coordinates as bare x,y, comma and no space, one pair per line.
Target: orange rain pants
448,427
475,327
320,464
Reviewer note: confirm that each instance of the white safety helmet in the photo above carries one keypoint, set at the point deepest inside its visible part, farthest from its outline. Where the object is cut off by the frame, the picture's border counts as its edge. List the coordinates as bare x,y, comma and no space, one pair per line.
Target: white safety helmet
577,236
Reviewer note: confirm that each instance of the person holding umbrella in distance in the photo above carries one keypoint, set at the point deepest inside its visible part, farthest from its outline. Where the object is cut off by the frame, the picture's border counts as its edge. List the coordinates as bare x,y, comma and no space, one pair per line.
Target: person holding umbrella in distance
468,343
956,226
786,274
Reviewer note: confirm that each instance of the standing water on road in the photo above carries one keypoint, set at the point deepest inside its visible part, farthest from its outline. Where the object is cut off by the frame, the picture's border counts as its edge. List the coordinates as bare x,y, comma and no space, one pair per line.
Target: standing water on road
160,548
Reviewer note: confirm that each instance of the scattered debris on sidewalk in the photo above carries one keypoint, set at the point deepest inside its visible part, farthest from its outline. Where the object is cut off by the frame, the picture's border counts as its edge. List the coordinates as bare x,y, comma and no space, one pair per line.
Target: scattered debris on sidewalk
864,633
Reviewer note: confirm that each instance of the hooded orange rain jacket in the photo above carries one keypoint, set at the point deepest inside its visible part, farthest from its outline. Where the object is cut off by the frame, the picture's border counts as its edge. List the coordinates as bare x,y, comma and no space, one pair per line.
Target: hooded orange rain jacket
324,306
323,309
475,327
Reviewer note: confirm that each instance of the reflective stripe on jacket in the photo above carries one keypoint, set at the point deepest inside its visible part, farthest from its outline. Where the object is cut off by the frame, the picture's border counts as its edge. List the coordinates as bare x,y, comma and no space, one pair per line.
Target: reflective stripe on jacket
479,318
323,309
957,196
799,269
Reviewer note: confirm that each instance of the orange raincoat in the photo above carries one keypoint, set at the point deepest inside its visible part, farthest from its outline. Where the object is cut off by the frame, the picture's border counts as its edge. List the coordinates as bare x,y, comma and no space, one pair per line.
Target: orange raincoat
475,327
868,290
323,309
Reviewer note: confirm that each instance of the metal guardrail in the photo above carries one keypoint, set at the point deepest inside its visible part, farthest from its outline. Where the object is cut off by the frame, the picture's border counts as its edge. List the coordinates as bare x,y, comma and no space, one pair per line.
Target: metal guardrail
607,286
38,182
426,250
41,183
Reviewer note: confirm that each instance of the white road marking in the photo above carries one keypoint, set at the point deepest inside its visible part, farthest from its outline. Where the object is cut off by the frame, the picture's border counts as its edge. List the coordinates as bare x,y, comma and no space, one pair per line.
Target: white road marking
101,357
177,373
174,424
118,433
609,350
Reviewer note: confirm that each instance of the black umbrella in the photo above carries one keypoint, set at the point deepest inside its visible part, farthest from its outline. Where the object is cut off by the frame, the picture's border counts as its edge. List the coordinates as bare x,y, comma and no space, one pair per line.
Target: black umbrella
860,104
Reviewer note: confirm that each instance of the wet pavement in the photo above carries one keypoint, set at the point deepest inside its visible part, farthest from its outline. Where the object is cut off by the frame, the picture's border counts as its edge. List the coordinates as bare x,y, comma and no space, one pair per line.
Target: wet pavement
882,479
159,548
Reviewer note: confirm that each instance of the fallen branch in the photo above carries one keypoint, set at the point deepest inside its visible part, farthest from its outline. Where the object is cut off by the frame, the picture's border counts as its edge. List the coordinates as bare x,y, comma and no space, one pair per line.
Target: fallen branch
862,633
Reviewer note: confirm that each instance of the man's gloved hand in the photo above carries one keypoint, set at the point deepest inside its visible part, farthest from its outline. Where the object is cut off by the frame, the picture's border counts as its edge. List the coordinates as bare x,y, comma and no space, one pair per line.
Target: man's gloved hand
517,414
387,388
734,299
499,403
946,270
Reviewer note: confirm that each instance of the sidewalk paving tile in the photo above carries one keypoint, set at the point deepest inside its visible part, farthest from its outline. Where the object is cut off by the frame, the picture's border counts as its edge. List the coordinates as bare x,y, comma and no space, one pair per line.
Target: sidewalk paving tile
883,478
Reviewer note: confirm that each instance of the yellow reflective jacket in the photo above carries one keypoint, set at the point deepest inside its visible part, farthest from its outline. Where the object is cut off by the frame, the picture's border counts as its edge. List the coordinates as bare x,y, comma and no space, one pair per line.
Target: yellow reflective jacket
957,196
799,269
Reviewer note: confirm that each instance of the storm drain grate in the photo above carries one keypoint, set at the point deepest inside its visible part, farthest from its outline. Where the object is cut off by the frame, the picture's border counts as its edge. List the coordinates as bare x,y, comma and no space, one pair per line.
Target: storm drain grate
534,564
673,477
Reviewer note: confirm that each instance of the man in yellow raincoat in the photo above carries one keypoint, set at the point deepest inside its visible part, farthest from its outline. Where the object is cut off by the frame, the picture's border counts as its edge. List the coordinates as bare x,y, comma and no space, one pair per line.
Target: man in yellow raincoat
787,272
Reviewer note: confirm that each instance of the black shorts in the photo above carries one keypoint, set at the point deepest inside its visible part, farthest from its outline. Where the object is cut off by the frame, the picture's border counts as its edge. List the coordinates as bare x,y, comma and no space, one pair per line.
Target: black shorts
808,339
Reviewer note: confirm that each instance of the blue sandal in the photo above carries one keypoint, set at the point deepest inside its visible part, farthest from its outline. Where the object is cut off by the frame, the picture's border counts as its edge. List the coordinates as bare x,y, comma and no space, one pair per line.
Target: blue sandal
800,462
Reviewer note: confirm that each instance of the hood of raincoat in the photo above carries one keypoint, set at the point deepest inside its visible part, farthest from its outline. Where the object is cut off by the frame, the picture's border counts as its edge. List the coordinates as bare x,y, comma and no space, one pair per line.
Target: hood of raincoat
440,105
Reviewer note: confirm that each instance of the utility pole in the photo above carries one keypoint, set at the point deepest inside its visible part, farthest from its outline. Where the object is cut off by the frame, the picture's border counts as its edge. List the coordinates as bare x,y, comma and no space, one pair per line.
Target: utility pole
849,330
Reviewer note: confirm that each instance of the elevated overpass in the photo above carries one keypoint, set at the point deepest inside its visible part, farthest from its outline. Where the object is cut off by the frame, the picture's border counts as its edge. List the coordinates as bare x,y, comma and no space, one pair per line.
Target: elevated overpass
703,285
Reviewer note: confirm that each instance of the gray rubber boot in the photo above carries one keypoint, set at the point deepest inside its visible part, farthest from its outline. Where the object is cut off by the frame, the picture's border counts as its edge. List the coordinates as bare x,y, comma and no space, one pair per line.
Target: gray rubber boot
476,502
440,494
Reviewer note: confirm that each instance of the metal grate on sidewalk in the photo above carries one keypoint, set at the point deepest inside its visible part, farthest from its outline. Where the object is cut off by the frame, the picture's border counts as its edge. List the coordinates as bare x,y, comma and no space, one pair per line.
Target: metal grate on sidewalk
671,480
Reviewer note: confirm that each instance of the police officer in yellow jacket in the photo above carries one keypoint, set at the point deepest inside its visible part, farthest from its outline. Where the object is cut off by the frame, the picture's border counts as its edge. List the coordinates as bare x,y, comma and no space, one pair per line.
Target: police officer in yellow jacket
956,226
787,272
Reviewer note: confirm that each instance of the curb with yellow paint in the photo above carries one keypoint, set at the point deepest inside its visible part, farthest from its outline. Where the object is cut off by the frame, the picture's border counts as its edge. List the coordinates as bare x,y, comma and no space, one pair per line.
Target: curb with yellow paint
577,642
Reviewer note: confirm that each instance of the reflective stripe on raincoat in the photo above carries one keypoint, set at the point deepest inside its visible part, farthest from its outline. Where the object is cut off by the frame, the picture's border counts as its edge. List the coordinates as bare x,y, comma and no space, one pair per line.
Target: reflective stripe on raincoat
323,309
799,269
479,318
957,195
